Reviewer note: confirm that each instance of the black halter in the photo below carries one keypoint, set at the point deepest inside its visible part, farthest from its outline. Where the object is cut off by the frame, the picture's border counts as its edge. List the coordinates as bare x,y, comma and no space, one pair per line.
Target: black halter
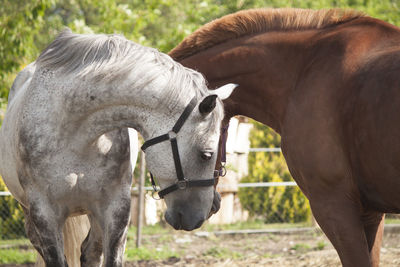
182,182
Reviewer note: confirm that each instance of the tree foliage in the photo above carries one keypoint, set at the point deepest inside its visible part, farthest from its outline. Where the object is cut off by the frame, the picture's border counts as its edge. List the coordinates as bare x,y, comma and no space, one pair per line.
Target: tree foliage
19,23
273,204
27,26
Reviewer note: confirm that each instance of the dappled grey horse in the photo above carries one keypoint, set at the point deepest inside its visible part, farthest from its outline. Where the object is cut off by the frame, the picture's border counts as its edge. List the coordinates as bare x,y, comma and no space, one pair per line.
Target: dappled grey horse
65,148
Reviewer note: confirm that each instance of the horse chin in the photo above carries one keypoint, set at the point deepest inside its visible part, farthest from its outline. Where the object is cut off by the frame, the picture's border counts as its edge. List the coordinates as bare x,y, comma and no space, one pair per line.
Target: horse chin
216,205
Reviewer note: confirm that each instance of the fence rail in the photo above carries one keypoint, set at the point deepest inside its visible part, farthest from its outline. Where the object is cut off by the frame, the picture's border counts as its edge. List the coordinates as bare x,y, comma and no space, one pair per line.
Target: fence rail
12,227
265,149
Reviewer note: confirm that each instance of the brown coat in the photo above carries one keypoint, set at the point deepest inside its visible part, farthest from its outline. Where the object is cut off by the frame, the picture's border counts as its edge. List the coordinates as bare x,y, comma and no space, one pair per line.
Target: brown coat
327,82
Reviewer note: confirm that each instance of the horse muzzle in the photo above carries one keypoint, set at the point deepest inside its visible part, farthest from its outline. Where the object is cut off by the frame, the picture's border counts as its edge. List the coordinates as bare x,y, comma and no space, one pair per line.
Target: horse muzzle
181,220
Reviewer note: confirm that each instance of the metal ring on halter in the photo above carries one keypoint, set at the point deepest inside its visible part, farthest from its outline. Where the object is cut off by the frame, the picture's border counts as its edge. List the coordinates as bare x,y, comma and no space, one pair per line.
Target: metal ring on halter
152,195
182,184
223,171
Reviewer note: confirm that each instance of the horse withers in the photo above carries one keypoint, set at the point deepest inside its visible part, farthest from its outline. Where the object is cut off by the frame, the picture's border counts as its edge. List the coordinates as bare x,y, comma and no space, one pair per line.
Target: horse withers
328,82
65,148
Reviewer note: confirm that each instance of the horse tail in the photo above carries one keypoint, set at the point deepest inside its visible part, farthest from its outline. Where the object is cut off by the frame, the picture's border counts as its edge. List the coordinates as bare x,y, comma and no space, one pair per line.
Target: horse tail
75,231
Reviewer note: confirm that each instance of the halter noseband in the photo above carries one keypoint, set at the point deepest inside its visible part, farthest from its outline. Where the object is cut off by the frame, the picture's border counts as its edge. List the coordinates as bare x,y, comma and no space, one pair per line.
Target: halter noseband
182,182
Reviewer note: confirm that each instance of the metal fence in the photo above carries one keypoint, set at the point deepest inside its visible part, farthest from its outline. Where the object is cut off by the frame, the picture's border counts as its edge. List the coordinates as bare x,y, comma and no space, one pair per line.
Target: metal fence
12,219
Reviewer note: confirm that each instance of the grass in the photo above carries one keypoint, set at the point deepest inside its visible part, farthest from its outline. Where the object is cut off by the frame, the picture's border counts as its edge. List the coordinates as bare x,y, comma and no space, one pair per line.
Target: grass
392,221
162,234
11,252
222,253
270,256
15,242
143,253
17,256
301,247
253,224
320,245
150,230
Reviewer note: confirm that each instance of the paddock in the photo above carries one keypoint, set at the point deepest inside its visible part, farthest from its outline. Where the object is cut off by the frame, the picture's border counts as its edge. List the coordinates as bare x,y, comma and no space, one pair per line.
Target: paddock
206,247
243,242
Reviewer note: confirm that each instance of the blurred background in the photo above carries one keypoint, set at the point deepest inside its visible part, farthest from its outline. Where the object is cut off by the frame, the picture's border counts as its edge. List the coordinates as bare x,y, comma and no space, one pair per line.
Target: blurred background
258,191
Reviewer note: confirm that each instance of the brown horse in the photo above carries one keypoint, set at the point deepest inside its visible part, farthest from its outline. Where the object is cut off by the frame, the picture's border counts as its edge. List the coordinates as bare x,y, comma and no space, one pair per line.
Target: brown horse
328,82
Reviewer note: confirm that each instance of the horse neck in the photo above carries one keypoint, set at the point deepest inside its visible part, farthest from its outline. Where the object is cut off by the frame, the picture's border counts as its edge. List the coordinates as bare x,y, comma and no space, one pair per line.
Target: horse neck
100,108
266,67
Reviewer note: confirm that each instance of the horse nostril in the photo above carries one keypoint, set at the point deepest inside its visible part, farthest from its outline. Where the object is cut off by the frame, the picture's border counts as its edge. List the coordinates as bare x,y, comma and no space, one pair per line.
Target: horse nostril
207,155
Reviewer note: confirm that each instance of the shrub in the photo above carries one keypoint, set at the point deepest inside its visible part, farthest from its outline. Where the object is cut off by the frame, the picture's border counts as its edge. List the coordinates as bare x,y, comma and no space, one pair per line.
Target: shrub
11,216
273,204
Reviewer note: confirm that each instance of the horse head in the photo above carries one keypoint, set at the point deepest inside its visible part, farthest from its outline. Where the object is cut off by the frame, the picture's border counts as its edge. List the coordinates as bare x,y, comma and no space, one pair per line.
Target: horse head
183,160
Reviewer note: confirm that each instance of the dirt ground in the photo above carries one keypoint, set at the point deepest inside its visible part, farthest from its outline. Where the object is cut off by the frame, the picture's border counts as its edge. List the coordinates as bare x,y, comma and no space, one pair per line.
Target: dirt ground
310,248
307,249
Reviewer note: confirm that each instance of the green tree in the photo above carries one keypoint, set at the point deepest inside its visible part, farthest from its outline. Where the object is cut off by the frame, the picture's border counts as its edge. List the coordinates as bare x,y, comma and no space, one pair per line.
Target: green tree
19,23
27,26
273,204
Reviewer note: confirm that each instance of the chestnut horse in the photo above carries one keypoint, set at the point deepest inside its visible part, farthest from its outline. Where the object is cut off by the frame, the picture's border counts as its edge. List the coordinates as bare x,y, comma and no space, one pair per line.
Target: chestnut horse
328,82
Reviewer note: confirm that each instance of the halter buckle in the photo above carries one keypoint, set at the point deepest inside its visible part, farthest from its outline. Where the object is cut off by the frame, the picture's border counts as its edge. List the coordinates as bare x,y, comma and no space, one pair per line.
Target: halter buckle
182,184
172,135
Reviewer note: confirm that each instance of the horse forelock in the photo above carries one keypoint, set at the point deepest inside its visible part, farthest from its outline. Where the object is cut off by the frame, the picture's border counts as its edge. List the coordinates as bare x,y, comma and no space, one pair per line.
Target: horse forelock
255,21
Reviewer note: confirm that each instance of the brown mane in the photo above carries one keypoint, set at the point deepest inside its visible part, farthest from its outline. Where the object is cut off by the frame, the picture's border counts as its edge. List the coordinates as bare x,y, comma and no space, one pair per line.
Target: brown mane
254,21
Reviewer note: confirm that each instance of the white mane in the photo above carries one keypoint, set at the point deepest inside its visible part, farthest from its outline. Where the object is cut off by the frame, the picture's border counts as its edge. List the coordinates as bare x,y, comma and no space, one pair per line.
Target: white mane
109,58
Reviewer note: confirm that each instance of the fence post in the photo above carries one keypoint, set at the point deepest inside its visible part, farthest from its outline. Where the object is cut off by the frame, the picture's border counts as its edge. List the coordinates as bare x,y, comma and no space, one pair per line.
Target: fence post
140,199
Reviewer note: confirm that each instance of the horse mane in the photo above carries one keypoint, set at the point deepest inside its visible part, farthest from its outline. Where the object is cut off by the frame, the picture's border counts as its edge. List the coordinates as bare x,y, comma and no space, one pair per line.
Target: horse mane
106,58
255,21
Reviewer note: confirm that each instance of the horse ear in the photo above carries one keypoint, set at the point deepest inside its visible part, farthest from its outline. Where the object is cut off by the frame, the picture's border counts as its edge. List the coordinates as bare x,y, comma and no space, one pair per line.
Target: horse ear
208,104
225,91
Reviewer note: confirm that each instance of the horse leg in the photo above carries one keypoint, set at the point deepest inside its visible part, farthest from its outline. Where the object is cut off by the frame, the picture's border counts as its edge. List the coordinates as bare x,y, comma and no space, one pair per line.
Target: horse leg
92,246
44,231
115,228
340,217
373,227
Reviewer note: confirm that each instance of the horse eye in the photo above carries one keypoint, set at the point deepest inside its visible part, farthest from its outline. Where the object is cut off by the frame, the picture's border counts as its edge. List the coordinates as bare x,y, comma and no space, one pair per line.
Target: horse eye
207,155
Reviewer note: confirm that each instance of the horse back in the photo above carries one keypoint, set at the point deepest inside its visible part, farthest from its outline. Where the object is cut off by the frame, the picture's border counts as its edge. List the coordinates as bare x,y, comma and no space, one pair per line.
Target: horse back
375,129
341,125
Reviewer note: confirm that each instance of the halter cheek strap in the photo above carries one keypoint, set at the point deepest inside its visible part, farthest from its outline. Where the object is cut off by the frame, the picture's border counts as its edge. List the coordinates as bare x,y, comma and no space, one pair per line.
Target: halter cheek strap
182,182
